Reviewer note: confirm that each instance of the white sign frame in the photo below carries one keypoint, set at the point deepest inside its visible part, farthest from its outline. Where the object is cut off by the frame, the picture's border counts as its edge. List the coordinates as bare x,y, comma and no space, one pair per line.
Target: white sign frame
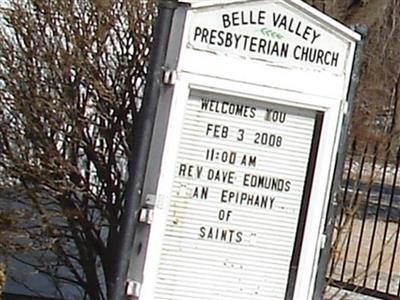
328,142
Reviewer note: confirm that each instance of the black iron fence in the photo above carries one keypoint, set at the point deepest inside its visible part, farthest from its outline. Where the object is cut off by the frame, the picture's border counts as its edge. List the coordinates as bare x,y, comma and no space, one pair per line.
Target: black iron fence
366,250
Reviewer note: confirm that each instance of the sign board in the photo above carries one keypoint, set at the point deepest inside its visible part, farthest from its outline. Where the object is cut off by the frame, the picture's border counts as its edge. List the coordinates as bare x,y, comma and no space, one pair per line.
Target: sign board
251,136
235,201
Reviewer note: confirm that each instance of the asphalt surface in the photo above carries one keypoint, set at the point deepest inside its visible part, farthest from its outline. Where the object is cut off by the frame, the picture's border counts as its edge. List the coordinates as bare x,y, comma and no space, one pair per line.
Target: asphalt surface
336,294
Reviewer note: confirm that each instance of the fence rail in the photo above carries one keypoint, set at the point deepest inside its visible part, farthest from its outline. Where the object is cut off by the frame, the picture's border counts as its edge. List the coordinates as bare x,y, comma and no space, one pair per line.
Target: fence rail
366,249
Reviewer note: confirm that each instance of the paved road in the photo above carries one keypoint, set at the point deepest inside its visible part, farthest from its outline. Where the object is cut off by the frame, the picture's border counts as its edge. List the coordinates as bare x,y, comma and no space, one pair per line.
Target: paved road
335,294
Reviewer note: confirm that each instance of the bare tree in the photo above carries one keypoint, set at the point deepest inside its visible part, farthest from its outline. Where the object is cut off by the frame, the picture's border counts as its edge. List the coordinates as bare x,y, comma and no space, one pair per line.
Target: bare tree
71,80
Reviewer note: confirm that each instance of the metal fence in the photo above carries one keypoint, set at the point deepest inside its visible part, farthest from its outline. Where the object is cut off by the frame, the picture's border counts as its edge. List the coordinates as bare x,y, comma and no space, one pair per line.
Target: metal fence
366,250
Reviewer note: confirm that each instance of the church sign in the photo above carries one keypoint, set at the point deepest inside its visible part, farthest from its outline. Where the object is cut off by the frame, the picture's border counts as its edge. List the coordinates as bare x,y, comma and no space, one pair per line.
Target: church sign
251,130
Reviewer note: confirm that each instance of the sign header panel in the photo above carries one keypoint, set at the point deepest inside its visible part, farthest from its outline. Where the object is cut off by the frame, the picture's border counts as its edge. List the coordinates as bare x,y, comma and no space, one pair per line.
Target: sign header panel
235,201
269,31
